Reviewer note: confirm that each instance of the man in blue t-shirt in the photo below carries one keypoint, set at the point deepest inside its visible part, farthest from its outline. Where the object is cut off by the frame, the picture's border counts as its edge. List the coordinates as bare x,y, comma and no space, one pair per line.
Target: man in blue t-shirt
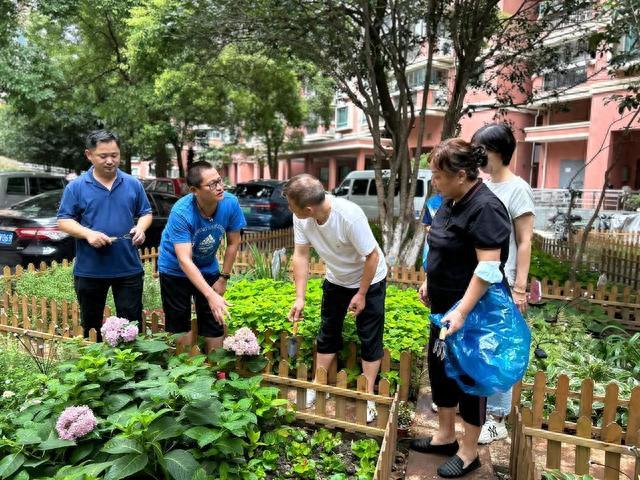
187,261
99,209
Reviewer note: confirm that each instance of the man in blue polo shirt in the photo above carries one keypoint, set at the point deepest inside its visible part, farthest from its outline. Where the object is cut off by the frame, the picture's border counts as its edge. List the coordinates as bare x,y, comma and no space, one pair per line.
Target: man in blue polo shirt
187,260
99,209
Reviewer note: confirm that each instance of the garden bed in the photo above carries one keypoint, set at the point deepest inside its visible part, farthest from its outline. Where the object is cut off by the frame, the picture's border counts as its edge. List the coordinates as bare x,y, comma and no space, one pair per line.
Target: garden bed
162,416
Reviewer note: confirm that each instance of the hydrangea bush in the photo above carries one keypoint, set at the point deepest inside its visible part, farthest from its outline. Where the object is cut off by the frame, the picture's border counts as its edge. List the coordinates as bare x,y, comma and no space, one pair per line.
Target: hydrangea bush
243,342
115,330
75,422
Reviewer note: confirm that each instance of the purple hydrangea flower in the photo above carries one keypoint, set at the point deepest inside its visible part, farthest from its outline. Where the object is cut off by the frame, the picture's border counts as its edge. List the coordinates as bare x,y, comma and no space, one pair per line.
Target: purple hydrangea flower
116,329
244,342
130,333
75,422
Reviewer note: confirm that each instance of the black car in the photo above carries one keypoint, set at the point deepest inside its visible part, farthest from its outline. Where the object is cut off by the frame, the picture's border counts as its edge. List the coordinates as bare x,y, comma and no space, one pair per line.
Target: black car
263,204
29,231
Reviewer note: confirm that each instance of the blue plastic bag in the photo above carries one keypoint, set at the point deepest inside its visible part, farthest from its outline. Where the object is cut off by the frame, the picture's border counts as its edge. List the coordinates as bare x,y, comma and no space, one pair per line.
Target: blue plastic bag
490,353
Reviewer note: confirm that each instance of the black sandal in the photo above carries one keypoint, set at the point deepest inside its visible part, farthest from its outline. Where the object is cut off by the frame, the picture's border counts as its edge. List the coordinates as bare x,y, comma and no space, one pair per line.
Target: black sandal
424,445
454,467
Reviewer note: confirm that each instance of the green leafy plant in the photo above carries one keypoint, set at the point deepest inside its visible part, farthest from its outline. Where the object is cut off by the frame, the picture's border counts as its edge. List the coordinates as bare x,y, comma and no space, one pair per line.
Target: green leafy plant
157,415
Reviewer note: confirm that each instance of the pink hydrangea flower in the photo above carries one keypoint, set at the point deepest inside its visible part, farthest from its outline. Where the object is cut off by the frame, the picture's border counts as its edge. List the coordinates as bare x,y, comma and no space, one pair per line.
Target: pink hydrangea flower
130,333
75,422
244,342
116,329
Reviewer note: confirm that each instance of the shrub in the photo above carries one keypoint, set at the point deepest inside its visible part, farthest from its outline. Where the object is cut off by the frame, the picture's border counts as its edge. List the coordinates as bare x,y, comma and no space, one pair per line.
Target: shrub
264,305
136,412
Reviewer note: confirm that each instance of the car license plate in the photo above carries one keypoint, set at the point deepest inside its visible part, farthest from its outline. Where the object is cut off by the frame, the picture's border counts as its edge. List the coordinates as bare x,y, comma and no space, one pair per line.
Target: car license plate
246,210
6,238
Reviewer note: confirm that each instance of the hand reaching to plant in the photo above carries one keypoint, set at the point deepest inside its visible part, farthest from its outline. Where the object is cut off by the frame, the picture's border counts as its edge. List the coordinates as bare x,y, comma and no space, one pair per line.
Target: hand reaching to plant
218,306
422,293
296,312
357,304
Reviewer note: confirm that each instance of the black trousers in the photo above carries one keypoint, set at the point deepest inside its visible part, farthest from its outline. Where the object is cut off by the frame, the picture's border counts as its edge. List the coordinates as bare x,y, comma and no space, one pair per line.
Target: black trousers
92,297
445,391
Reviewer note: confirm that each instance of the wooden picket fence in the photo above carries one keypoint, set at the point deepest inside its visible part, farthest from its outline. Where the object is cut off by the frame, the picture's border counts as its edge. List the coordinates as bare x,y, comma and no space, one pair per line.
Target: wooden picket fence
620,304
345,408
611,240
618,258
582,446
268,241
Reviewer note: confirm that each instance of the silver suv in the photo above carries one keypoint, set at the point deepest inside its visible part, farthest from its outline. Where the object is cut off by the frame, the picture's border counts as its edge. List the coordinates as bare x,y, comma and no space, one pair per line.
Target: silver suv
18,186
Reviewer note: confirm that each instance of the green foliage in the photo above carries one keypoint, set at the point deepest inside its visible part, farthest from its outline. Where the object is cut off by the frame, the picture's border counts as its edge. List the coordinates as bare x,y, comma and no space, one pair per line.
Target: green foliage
56,283
545,265
155,414
633,202
567,336
366,450
406,319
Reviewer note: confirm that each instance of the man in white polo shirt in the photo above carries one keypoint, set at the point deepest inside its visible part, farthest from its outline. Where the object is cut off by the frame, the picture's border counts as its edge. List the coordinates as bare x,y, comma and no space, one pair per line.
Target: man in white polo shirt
356,273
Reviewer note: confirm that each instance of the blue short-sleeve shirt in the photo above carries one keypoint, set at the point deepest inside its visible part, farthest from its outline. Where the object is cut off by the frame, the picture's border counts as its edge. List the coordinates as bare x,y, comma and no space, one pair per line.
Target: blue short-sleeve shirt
112,212
187,225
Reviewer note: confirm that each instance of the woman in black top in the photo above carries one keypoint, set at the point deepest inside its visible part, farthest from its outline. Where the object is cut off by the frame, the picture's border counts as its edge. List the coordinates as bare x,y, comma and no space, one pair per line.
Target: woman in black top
471,226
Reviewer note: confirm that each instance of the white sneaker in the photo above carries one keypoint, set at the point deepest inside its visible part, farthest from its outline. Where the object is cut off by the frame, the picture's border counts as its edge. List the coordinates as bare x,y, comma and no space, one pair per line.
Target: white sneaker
492,430
434,407
372,411
311,398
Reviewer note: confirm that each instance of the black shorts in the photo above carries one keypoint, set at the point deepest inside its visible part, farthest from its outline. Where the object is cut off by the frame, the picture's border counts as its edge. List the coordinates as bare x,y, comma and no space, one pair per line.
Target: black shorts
177,293
369,324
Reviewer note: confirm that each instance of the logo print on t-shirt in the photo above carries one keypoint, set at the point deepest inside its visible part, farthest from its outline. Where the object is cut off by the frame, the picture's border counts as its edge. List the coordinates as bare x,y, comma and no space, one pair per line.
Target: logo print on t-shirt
206,242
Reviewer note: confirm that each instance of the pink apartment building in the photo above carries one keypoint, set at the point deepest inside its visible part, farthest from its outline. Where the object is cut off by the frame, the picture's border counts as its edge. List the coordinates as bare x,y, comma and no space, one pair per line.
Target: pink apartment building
556,135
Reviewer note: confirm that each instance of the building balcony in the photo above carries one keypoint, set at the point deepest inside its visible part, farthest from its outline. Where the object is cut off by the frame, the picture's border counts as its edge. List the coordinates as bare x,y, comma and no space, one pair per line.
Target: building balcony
564,132
569,78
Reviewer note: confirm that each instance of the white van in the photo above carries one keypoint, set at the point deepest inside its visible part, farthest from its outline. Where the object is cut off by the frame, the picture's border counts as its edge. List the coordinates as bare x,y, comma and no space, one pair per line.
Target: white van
360,187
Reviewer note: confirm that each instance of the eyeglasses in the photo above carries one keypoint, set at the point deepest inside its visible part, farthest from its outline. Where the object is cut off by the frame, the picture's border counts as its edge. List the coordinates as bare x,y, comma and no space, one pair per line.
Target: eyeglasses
213,185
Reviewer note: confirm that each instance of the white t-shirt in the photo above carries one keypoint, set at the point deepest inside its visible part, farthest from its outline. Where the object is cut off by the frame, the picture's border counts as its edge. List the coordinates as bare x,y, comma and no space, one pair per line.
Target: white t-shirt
343,242
517,196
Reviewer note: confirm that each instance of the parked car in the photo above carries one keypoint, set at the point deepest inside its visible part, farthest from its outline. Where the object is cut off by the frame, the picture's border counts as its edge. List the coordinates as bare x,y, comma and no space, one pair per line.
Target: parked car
29,231
263,204
17,186
174,186
360,187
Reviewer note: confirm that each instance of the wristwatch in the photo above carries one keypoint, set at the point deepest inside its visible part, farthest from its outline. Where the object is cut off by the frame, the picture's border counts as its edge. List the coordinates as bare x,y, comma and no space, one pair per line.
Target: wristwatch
226,276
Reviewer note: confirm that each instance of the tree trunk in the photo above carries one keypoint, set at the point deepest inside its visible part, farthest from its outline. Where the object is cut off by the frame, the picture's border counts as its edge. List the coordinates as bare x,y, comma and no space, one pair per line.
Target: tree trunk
126,157
162,158
178,149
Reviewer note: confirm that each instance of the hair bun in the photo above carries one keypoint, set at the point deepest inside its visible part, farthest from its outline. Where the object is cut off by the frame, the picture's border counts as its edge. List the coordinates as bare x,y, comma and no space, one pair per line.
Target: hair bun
480,155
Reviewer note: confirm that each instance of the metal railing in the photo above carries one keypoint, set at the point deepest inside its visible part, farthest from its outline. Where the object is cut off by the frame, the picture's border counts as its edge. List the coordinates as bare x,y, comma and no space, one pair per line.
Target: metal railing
565,78
588,198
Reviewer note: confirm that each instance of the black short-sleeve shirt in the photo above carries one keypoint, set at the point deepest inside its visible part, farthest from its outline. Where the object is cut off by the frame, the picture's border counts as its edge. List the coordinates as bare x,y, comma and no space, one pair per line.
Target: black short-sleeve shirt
478,220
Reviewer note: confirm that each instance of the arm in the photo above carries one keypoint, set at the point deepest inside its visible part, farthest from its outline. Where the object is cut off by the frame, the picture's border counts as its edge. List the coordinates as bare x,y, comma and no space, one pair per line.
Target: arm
476,289
137,232
370,265
233,243
523,226
300,263
73,228
217,304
